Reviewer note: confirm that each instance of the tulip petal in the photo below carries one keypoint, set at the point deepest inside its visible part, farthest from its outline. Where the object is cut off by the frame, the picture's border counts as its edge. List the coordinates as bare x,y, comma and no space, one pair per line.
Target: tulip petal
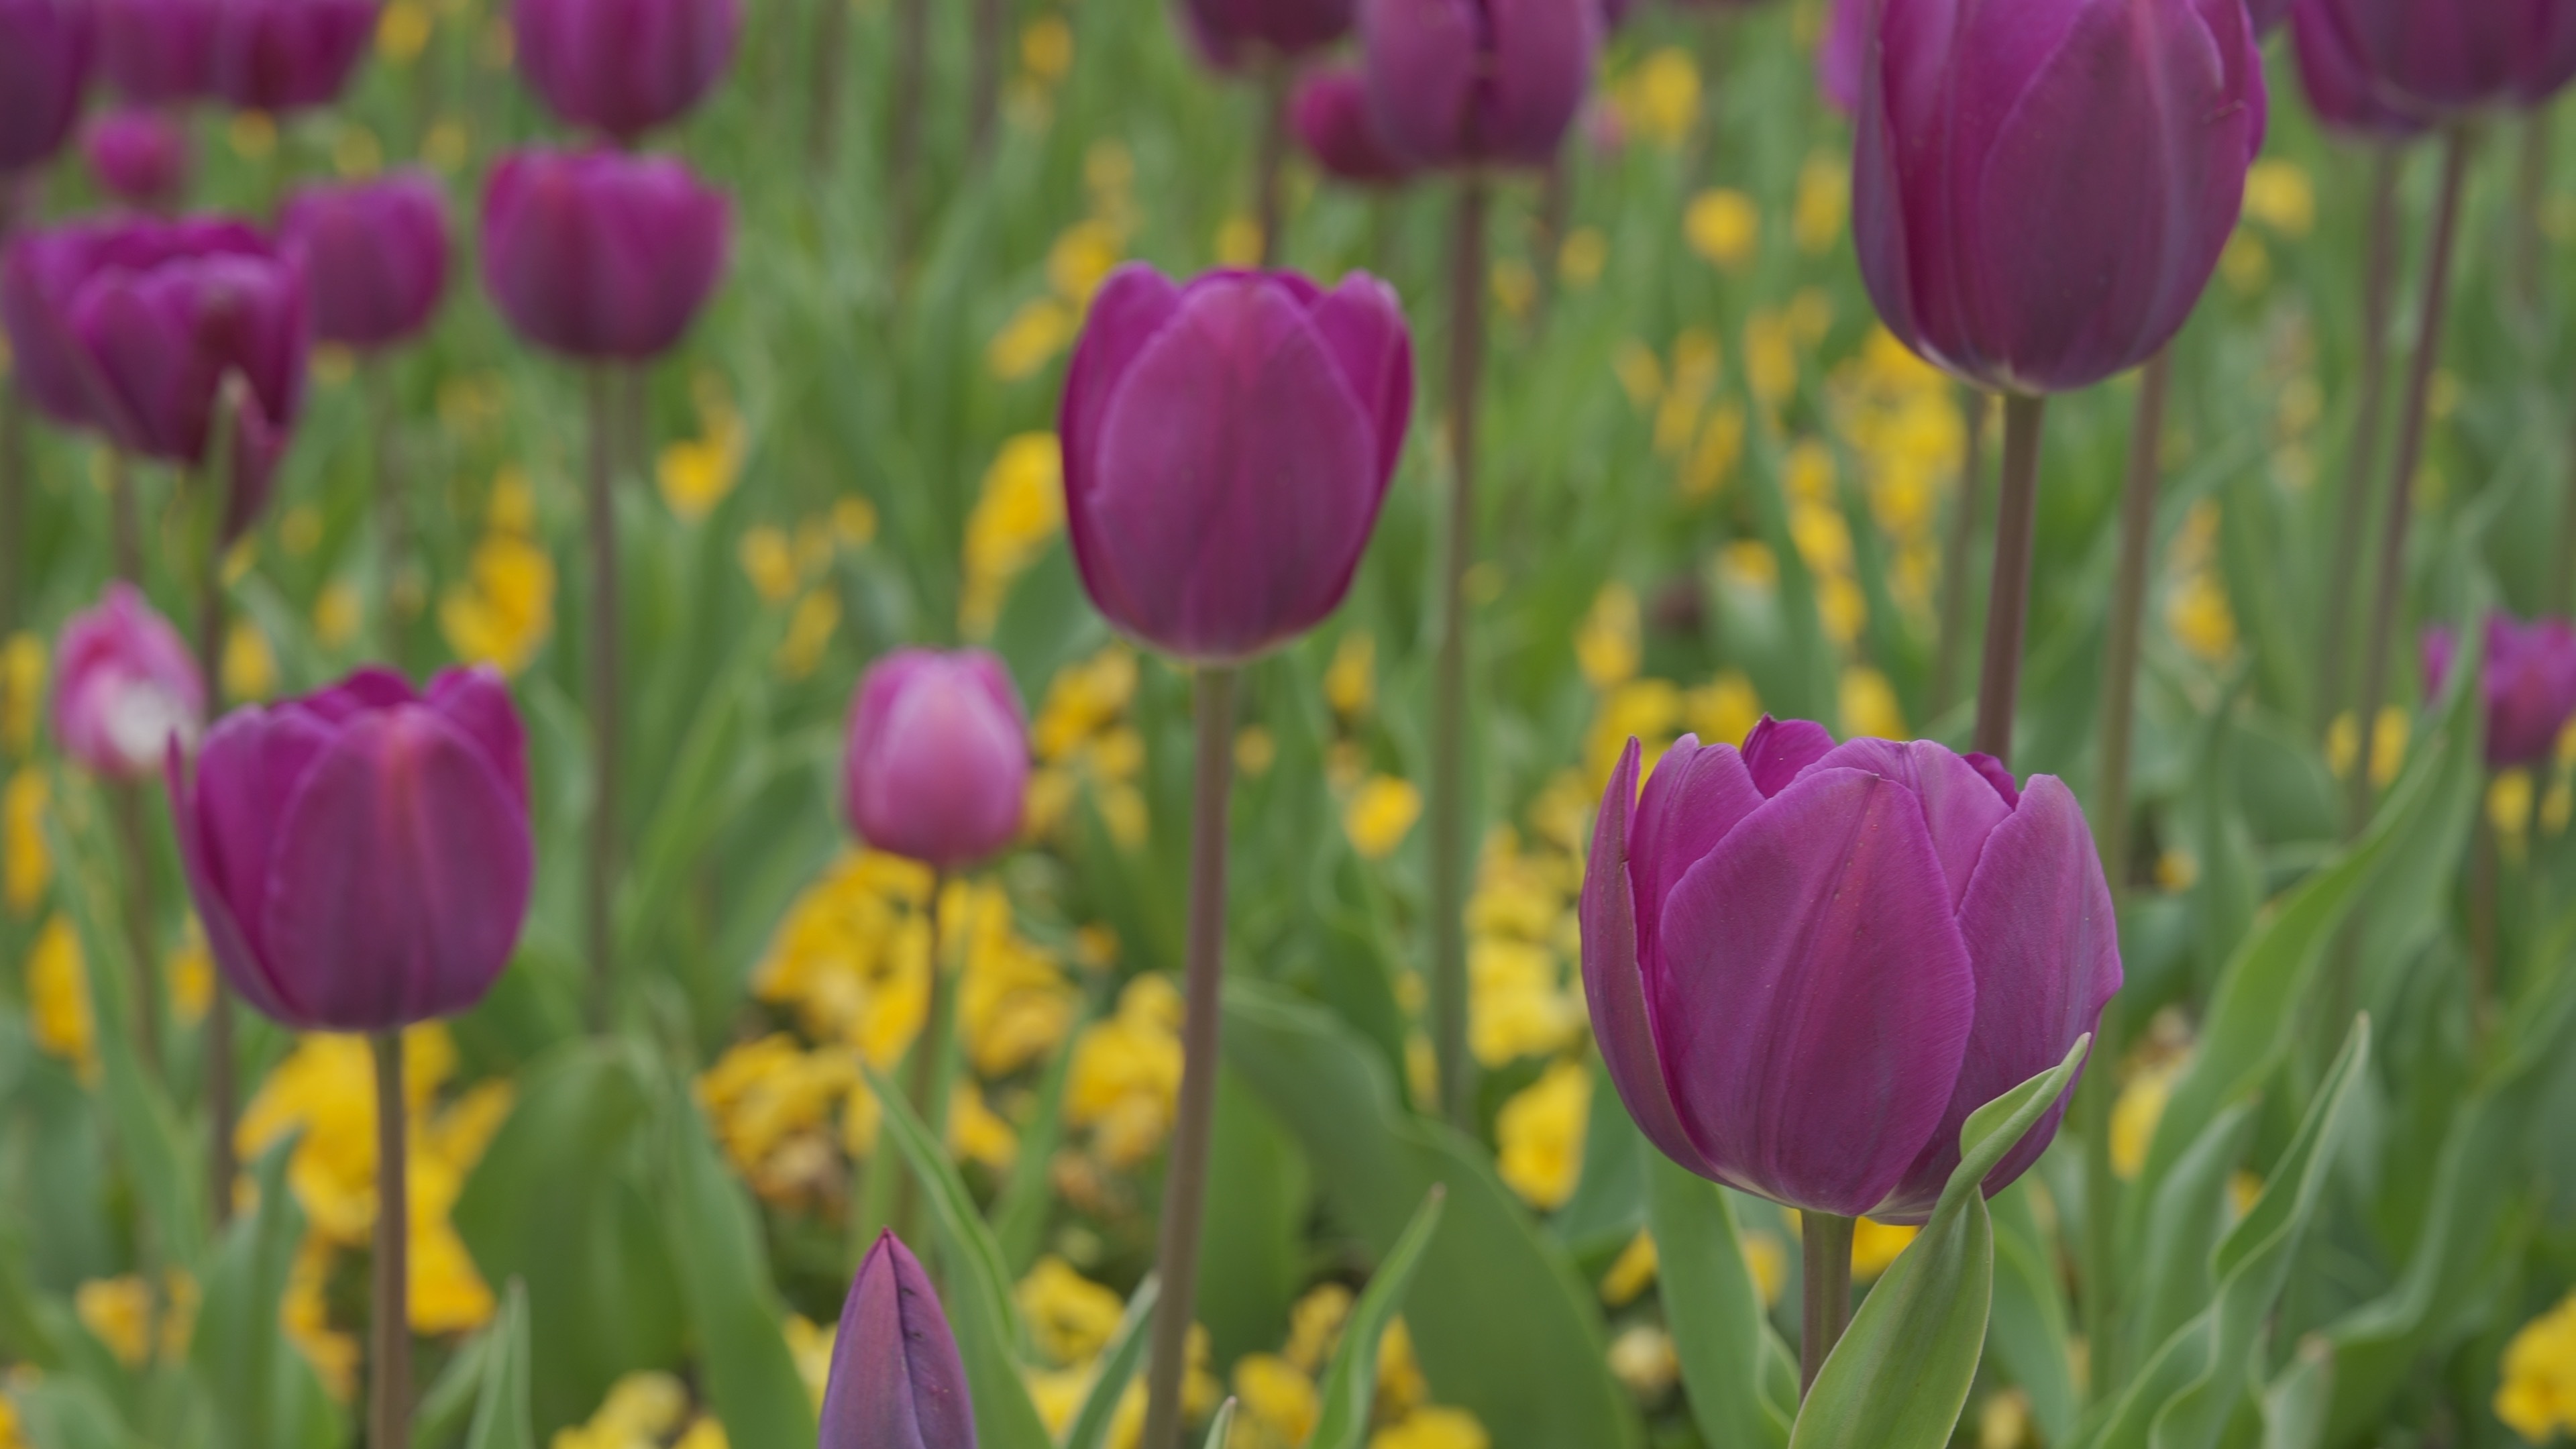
1695,796
1812,995
1778,750
1362,326
1959,802
1538,68
1128,312
1423,58
477,702
897,1381
226,937
2040,928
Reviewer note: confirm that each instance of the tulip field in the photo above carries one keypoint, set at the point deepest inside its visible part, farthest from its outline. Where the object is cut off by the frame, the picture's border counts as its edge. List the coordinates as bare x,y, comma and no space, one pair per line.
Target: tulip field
1287,724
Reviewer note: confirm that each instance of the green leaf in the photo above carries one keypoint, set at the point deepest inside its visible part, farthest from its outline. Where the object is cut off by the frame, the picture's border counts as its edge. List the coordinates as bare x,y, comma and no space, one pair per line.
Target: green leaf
2295,1405
1253,1254
2028,1333
501,1419
1221,1426
1115,1367
446,1409
1730,1354
1349,1388
751,1379
1901,1373
978,1290
264,1395
1020,1211
2184,1222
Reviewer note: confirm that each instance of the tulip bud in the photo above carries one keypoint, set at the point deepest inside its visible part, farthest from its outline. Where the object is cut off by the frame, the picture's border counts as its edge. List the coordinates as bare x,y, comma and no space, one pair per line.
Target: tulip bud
126,688
157,52
624,66
287,55
1472,82
1995,235
361,857
139,156
1227,446
601,255
1332,118
45,50
937,761
896,1377
2441,59
2343,97
2529,684
1233,33
1807,964
374,257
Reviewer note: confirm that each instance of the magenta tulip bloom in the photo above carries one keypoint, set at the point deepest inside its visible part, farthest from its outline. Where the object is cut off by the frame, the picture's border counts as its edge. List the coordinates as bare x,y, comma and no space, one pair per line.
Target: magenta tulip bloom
1332,118
1236,33
126,689
140,157
361,857
1808,963
1844,53
2042,189
1227,446
601,255
624,66
287,55
2343,97
374,256
157,52
2529,683
897,1381
2445,58
1469,82
937,762
45,48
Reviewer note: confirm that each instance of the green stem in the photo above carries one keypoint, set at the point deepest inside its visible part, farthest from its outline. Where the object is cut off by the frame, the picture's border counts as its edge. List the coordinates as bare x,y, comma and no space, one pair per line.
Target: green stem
601,498
927,1049
2008,597
984,78
1827,1241
1975,405
1449,699
1271,165
904,123
126,798
389,1389
222,1165
2361,469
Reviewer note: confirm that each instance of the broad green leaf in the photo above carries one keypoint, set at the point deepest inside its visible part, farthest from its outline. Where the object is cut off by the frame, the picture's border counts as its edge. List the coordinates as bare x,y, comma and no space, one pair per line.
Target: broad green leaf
1901,1373
2296,1404
501,1419
977,1289
1712,1305
1028,1195
263,1393
1221,1427
2185,1221
65,1412
2027,1335
751,1379
1349,1387
1115,1368
1253,1254
446,1409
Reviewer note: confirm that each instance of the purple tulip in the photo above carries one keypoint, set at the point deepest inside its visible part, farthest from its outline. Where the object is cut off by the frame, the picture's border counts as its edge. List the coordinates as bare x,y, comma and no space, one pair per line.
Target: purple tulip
624,66
1844,54
287,55
1236,33
45,48
140,156
896,1377
2529,683
126,688
1997,235
1331,115
1468,82
2342,96
598,254
1227,446
937,762
361,857
1808,963
374,256
157,52
2445,58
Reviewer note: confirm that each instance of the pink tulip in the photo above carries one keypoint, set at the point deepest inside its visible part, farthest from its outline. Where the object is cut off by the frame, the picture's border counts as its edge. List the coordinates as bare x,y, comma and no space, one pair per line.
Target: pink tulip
126,689
937,762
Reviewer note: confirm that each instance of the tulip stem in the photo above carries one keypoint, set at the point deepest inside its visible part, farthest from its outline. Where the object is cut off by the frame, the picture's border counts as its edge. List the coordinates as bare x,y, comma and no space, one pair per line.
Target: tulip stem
2410,454
2531,184
1449,699
2128,615
1975,405
2361,469
2008,597
392,522
13,507
903,163
126,797
831,57
984,77
222,1165
1269,206
2562,571
388,1422
601,498
1185,1178
927,1097
1827,1241
124,520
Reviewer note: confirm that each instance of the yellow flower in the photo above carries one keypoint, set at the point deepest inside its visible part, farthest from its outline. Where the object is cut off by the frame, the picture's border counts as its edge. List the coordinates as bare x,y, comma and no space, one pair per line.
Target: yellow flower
2537,1395
809,633
1315,1327
2004,1422
810,1344
118,1313
304,1312
1433,1428
2141,1105
252,134
641,1410
1714,459
978,1134
1541,1135
249,665
402,32
1869,705
1770,358
2201,618
1724,710
356,153
1643,1358
2279,195
1640,372
58,1008
1768,1262
1046,47
504,611
1824,201
1749,563
1515,286
1018,512
2509,801
1659,100
696,474
1278,1406
1648,709
1126,1073
1380,815
1724,227
13,1434
2245,263
1071,1319
854,522
1875,1246
1400,1386
1350,681
704,1432
338,614
1585,255
1608,645
1632,1273
1031,339
1238,242
29,867
22,690
1516,1006
770,1105
769,562
2387,745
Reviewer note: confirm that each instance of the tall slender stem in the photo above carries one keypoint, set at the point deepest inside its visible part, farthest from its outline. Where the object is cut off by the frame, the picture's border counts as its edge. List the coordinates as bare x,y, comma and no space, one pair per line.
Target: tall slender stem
1449,701
904,125
2530,186
389,1392
927,1048
222,1165
1269,205
2008,598
1827,1241
126,798
831,57
2484,909
124,519
598,929
1961,549
393,519
984,76
2361,470
1185,1178
2562,571
2410,455
13,507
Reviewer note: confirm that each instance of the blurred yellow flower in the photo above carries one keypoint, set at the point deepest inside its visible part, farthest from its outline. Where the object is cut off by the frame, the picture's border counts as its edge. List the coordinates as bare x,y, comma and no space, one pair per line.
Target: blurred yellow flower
2004,1421
810,1344
2537,1395
1715,457
1433,1428
696,474
641,1410
1126,1073
1585,255
1071,1319
1824,201
1875,1246
1609,646
190,973
1381,813
1277,1403
356,153
2134,1115
809,633
1031,339
2279,195
2387,745
28,868
58,1009
249,664
1659,98
338,615
1643,1358
1046,48
1768,1262
22,690
1081,737
1869,705
1540,1135
1724,710
1238,242
402,32
304,1313
1631,1273
1724,226
1019,510
252,135
118,1312
505,609
1350,681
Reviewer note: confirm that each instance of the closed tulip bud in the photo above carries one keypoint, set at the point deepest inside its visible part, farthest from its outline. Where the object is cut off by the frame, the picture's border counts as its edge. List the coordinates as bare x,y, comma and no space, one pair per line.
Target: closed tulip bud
140,157
624,66
1235,33
126,689
897,1382
1996,235
157,52
937,761
287,55
2441,59
1478,82
2343,97
1807,963
1331,115
45,48
2529,684
601,255
1227,446
374,257
361,857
